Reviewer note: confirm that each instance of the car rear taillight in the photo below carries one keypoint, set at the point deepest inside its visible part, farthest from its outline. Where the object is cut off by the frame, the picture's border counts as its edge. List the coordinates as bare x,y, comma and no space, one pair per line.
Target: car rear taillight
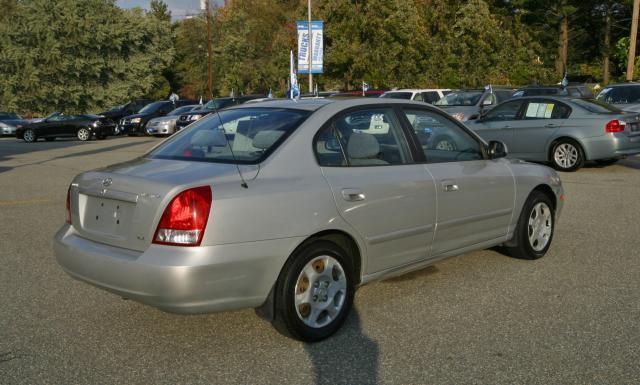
615,126
185,218
68,205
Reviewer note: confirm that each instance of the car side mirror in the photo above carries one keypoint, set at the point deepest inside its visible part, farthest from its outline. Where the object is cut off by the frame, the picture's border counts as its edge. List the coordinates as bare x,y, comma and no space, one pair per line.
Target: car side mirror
496,149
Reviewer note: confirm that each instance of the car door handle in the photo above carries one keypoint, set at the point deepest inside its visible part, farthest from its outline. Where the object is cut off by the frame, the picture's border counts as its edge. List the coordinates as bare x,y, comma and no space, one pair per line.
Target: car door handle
449,186
353,195
506,127
550,125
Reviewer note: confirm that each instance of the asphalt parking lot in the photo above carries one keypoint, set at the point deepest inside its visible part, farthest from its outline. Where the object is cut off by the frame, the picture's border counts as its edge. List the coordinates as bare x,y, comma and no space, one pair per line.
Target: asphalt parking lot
572,317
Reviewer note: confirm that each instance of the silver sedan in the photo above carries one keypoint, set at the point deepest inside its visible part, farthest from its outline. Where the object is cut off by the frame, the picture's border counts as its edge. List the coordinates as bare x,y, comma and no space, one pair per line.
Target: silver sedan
564,131
289,206
166,125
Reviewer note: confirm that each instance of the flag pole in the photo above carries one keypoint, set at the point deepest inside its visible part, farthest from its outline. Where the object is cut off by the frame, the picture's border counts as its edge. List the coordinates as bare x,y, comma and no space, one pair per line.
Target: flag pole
310,47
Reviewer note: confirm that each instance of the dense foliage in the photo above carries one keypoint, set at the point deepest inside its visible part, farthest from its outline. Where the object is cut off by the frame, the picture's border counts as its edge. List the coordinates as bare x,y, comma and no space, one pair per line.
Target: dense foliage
84,55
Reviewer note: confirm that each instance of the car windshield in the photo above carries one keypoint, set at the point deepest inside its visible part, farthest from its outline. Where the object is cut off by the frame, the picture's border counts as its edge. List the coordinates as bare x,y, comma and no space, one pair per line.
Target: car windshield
153,107
244,135
9,115
597,106
182,110
397,95
460,98
620,95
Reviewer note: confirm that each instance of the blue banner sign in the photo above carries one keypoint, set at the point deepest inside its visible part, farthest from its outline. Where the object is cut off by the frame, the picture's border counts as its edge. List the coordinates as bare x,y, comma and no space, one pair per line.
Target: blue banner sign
316,52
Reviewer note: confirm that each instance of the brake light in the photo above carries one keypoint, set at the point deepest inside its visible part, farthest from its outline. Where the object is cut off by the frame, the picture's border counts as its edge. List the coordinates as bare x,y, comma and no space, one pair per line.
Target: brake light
615,126
185,218
68,206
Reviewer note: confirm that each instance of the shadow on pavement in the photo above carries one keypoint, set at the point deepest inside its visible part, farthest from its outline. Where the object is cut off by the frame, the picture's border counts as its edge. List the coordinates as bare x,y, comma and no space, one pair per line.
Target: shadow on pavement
348,357
16,148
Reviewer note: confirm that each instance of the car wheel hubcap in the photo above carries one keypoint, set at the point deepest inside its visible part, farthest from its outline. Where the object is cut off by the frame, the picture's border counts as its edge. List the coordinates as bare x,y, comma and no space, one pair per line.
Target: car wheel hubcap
28,136
540,226
320,291
83,134
566,155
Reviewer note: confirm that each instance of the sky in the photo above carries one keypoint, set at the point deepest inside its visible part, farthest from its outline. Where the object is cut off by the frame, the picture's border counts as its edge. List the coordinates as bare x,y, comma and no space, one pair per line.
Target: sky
179,8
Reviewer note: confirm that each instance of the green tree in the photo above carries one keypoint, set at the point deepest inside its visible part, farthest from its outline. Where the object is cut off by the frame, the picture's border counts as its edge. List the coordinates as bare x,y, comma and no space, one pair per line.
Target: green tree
80,55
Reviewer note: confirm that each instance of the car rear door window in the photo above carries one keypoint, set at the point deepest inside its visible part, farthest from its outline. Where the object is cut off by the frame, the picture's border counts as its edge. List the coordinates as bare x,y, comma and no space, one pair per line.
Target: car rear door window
546,109
365,137
441,139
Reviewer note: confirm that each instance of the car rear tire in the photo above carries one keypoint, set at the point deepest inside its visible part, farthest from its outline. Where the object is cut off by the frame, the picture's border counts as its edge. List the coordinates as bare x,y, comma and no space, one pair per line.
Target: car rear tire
314,292
535,228
50,139
83,134
567,155
29,136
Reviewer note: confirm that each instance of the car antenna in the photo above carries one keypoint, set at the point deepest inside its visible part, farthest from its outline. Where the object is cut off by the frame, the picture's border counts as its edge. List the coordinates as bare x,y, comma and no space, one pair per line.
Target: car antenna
233,156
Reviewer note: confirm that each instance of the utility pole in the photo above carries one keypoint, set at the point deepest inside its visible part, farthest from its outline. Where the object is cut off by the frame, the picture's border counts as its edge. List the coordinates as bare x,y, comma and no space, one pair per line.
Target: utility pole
632,45
209,51
310,47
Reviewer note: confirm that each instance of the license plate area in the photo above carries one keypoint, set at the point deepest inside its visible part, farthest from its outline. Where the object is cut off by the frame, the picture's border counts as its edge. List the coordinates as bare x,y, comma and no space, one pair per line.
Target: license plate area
634,127
107,216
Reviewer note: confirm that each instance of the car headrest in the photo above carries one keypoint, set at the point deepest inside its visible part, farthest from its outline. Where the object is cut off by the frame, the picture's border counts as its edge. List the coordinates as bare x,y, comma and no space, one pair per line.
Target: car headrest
266,138
208,138
363,146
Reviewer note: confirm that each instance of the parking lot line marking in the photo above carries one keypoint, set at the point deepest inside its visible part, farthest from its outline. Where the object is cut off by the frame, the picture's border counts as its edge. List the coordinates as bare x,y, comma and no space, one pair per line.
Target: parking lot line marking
24,202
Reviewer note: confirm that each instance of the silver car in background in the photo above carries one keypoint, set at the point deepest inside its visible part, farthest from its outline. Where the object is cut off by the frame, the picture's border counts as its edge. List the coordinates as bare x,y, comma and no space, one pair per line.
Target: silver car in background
561,130
166,125
469,104
296,205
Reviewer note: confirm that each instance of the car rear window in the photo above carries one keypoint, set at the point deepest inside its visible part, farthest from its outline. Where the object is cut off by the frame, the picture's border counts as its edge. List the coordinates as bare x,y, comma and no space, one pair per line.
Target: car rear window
244,136
596,106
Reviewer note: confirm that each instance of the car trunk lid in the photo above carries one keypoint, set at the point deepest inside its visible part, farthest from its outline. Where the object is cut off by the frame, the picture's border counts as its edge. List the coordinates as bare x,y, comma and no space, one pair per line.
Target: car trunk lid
121,205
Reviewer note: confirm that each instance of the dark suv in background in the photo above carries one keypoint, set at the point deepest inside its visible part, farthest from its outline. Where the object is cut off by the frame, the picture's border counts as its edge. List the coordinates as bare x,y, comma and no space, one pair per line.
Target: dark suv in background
212,106
577,91
118,112
625,96
135,124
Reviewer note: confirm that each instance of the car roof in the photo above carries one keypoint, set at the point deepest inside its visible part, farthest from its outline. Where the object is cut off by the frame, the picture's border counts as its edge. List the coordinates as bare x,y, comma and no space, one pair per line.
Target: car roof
316,104
630,84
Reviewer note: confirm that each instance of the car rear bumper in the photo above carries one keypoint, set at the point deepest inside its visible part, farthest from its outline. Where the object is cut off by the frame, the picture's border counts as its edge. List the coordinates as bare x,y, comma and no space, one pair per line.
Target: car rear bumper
178,279
612,145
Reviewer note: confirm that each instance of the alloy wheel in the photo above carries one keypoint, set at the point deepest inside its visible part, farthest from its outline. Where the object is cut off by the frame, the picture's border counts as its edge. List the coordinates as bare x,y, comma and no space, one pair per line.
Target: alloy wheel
83,134
566,155
320,291
29,136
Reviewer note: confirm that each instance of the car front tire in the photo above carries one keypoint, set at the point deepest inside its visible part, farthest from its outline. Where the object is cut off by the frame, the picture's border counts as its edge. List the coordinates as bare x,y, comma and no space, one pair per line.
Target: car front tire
29,136
314,292
83,134
536,225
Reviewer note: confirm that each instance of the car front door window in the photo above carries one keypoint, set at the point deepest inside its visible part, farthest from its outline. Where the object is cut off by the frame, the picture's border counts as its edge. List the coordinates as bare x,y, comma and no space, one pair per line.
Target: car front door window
504,112
441,139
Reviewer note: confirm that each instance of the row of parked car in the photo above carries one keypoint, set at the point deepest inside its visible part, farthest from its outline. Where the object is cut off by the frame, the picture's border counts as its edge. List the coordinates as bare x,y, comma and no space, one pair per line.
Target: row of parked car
565,126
